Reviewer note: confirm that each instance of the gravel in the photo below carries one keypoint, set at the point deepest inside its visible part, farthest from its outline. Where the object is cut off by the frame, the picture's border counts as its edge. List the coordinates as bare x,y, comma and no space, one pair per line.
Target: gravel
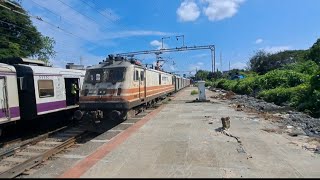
290,117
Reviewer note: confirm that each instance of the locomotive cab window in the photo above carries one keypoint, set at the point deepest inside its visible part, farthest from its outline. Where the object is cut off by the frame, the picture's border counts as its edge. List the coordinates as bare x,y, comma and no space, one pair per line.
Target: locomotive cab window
105,75
45,88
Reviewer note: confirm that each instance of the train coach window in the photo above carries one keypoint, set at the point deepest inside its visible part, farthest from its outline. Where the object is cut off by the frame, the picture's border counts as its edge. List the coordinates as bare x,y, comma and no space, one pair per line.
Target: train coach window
136,75
142,76
46,88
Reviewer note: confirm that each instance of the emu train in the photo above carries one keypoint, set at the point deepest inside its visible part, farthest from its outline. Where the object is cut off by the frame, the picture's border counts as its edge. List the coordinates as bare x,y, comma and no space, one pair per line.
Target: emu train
117,87
29,89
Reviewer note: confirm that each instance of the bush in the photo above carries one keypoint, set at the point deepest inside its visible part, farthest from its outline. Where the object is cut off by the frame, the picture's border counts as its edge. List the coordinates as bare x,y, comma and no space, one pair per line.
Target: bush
307,67
220,83
247,85
282,78
229,84
311,104
208,83
315,81
281,95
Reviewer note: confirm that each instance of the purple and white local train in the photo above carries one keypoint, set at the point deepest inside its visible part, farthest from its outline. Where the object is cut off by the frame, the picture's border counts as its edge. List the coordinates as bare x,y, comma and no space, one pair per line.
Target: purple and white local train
29,89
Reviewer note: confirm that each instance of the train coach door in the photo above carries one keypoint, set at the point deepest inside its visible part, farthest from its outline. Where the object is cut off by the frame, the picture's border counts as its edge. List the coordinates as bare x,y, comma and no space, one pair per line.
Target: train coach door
4,109
142,85
72,92
145,83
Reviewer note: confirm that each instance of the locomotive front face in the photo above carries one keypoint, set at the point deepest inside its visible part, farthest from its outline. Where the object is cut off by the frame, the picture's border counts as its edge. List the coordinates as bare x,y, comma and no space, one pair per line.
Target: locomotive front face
102,89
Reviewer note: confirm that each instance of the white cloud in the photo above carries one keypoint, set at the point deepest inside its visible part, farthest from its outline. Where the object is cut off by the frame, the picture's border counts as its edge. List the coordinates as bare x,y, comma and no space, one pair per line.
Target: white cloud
196,66
158,44
275,49
201,55
188,11
259,41
221,9
238,65
123,34
200,63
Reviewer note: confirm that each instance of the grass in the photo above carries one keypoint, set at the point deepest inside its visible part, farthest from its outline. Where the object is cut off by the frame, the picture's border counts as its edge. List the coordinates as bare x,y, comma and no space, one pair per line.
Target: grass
193,92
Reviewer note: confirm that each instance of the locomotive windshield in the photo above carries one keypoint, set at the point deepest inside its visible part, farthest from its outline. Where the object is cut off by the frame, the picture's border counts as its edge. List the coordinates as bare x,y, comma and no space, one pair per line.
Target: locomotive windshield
104,75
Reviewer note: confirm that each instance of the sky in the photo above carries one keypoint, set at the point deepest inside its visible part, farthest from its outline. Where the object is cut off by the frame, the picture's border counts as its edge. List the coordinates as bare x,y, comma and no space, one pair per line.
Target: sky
92,29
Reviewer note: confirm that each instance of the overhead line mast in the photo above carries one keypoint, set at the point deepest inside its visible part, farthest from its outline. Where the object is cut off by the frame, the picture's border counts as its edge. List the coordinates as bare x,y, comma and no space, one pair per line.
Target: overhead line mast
186,48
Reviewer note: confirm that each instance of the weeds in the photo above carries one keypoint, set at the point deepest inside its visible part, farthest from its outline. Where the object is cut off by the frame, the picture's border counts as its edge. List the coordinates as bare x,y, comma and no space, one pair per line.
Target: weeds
193,92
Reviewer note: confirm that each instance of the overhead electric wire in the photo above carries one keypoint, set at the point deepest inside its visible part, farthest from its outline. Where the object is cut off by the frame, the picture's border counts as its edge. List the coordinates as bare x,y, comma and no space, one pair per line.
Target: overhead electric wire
40,19
12,4
97,10
25,41
121,27
56,14
80,12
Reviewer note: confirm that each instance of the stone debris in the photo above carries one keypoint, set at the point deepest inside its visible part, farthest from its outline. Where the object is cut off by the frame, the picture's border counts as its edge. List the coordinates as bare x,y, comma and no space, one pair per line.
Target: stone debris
225,122
271,111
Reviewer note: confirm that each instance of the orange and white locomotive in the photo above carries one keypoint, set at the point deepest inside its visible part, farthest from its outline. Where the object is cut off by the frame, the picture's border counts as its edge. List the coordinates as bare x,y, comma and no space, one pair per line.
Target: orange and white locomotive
116,86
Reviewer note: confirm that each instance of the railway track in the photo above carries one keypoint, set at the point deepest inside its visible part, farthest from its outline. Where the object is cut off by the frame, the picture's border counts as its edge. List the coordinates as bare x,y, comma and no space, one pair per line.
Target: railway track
17,160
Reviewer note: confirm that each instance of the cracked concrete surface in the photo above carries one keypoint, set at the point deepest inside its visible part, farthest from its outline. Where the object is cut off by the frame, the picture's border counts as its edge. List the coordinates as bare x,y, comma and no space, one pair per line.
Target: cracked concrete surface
182,141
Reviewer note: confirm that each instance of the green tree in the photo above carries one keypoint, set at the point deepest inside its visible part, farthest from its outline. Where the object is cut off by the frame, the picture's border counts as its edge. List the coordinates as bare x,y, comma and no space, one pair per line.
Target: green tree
201,75
47,49
315,52
262,62
19,37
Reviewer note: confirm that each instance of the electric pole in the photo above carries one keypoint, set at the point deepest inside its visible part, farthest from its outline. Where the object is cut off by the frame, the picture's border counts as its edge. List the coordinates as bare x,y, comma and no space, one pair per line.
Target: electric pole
177,37
81,60
213,57
168,37
220,61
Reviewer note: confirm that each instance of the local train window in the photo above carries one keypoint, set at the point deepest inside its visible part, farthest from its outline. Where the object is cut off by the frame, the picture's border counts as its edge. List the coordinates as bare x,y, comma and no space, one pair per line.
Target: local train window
142,76
159,79
46,88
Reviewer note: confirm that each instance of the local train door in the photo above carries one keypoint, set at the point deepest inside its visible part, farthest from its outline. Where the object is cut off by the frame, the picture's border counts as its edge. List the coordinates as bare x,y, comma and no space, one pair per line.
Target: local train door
71,99
4,109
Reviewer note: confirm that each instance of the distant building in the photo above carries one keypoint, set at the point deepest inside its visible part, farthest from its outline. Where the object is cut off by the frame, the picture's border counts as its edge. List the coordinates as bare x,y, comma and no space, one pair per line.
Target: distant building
75,66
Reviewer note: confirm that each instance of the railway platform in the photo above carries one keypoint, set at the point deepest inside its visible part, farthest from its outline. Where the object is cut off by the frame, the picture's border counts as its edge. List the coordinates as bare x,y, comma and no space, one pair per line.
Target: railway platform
184,139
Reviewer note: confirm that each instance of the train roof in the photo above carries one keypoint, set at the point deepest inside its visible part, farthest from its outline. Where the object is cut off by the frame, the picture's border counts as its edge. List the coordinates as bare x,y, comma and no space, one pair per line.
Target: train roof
19,60
7,68
108,64
52,70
